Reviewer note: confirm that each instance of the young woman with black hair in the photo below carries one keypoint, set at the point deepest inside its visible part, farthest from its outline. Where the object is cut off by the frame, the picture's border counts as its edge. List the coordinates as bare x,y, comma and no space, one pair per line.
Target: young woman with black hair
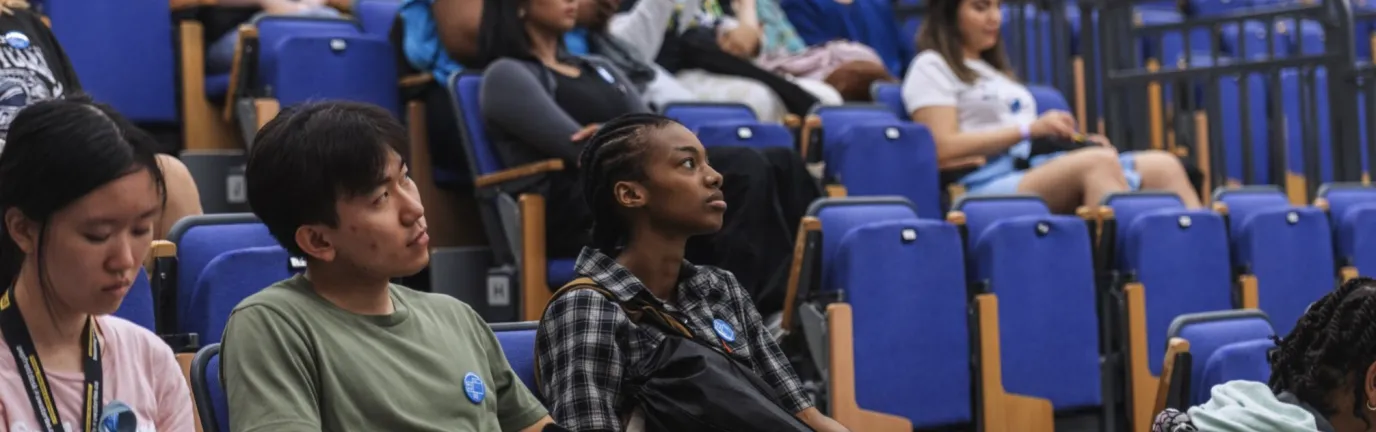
540,103
1323,375
650,187
81,192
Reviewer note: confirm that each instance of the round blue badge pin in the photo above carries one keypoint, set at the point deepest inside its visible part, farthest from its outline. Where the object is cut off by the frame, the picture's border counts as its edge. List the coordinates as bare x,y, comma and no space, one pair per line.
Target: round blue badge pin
606,76
17,40
1016,106
724,330
473,387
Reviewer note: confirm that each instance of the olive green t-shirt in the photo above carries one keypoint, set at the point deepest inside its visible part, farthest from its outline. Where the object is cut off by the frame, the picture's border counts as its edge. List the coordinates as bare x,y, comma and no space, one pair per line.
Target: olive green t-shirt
292,361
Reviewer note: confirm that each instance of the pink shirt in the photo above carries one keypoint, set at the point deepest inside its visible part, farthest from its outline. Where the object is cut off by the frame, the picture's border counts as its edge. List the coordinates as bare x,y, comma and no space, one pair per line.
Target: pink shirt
140,370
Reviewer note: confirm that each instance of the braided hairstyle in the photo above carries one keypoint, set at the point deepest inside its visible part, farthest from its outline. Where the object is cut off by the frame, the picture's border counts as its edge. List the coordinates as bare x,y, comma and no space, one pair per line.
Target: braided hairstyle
1330,348
612,155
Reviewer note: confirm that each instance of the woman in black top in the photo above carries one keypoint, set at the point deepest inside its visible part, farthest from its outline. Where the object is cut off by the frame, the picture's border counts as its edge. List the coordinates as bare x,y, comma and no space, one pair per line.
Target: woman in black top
541,103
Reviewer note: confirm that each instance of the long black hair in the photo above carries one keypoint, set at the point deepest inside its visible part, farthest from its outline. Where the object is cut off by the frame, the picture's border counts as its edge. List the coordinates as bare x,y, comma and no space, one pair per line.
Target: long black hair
614,154
58,151
503,33
1331,348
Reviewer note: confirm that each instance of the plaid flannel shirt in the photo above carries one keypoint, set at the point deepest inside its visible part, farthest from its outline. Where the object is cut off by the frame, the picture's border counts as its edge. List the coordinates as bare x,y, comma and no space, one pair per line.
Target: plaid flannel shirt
587,344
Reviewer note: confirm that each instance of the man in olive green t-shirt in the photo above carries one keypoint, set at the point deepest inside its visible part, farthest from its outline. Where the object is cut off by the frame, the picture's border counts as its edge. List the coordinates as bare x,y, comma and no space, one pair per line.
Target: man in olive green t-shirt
340,348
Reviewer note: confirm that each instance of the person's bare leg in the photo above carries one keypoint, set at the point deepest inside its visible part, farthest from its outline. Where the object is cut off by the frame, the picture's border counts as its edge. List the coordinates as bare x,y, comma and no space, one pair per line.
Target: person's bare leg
183,199
1162,171
1080,177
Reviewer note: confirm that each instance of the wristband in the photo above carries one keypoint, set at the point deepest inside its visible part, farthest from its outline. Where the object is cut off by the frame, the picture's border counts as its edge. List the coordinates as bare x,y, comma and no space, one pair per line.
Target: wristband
1026,130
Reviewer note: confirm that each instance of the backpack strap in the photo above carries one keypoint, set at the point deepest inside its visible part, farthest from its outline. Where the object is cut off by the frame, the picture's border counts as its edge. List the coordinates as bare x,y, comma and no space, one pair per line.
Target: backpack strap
636,310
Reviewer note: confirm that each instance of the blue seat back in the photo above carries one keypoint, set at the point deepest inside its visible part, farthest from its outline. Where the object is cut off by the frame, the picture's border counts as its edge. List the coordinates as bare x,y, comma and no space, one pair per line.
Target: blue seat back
137,306
745,133
1357,238
1247,201
208,390
905,277
1041,269
1048,98
1208,332
304,59
481,155
1181,258
894,158
982,211
518,344
696,114
891,95
1246,360
1342,197
200,239
229,279
1290,250
837,118
840,215
377,16
1128,206
137,80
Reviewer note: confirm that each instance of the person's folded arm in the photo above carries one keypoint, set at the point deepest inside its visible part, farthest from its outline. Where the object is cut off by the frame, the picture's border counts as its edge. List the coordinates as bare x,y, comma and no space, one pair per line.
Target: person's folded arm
514,101
643,27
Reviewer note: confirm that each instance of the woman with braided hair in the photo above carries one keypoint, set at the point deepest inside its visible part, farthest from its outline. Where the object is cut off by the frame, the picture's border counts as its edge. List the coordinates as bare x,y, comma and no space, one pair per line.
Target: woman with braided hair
1323,375
650,187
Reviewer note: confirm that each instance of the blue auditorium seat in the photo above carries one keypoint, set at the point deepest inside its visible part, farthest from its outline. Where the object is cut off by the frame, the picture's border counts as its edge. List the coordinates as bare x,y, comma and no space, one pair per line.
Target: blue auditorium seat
748,133
377,16
904,277
199,240
1041,268
696,114
1289,249
890,94
889,158
1048,98
495,198
1352,214
229,279
518,344
1246,360
1208,334
1306,111
1179,255
208,391
303,59
826,123
839,215
122,53
138,306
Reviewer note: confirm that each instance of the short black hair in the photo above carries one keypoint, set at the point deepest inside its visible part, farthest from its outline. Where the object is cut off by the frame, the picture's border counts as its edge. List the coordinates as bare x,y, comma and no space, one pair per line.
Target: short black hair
310,156
1330,348
614,154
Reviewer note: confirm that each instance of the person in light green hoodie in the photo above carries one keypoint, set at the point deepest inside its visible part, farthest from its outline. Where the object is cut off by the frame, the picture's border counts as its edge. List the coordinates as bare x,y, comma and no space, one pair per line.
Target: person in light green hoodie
1323,376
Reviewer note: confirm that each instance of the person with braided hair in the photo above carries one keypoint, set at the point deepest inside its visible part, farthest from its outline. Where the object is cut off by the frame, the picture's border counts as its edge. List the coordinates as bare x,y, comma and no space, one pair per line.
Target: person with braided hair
1323,375
540,103
650,187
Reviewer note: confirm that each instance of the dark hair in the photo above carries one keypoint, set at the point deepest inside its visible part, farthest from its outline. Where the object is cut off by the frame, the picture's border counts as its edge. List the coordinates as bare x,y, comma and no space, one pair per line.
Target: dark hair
503,33
1330,348
58,151
612,155
309,156
941,33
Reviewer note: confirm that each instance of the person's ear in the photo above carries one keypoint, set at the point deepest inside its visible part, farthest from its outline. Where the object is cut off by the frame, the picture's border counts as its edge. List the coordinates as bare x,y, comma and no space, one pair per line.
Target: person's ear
1369,389
23,230
630,194
315,241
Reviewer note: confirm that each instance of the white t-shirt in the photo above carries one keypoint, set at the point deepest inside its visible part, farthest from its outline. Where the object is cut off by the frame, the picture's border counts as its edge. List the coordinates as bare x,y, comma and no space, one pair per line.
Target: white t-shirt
993,101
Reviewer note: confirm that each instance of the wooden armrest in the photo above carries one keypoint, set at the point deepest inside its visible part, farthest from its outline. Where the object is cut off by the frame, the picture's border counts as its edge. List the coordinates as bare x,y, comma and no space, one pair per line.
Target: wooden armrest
1142,383
962,163
1029,414
1247,286
415,80
836,191
792,121
1163,388
526,170
841,379
246,32
1347,273
810,126
163,249
190,4
809,224
535,292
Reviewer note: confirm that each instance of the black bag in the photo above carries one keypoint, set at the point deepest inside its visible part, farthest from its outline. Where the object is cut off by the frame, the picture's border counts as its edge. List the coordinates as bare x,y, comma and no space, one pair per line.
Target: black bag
1041,146
688,385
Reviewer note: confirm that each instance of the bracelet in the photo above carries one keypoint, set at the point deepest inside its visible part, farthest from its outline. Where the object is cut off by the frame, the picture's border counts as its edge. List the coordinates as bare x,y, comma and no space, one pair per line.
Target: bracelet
1026,130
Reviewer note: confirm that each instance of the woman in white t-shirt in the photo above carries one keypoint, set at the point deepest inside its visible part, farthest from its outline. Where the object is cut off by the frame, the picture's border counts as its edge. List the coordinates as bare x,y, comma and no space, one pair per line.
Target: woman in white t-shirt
975,108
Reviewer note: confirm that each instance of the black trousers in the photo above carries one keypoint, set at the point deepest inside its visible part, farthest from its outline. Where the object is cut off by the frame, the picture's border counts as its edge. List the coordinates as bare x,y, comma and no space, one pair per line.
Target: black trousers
767,192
